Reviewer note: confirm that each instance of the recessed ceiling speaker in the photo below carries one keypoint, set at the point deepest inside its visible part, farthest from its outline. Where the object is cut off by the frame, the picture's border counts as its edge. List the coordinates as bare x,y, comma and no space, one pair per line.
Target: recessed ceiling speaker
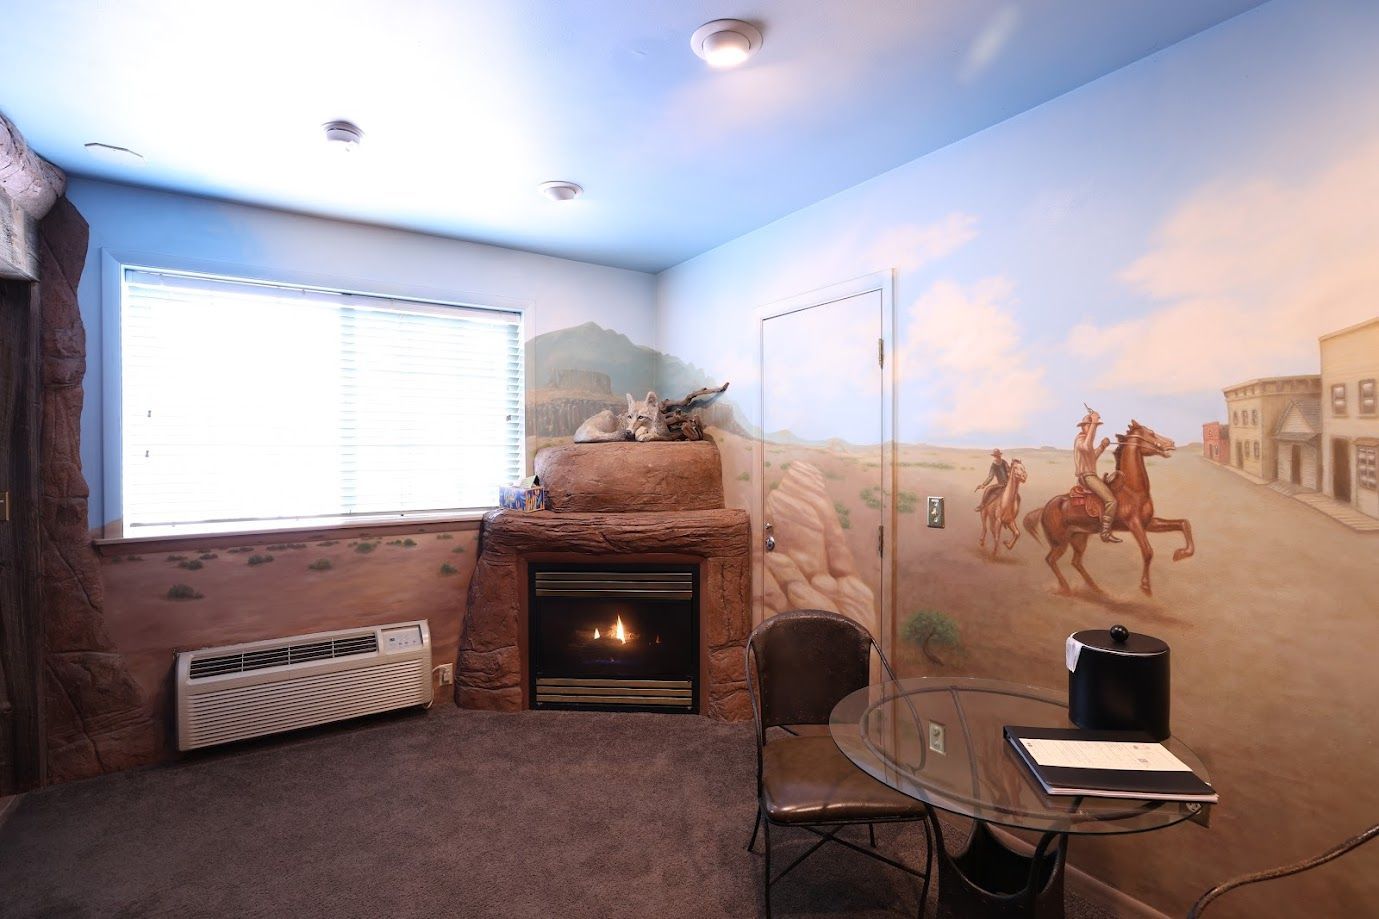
725,43
560,191
343,135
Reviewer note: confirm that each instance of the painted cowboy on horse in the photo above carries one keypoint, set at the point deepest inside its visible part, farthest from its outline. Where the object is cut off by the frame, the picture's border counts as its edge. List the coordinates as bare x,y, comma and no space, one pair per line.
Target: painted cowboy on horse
1086,452
999,473
1068,521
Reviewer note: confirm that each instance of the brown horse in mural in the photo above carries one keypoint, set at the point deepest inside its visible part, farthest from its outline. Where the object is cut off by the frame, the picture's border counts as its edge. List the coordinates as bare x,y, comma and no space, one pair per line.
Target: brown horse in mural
1066,522
1003,509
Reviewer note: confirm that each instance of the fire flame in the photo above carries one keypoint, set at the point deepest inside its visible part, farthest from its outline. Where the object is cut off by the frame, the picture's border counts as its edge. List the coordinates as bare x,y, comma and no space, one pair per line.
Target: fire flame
616,631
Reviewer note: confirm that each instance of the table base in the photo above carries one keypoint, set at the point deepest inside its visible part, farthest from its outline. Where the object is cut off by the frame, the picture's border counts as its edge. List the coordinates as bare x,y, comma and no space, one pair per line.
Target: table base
989,879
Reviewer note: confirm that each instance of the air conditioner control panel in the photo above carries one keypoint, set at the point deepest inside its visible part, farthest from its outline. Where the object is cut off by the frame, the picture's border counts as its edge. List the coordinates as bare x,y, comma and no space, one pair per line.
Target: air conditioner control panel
402,639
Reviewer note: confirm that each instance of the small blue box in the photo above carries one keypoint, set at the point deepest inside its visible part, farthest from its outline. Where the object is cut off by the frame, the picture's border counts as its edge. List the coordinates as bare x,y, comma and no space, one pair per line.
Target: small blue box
527,495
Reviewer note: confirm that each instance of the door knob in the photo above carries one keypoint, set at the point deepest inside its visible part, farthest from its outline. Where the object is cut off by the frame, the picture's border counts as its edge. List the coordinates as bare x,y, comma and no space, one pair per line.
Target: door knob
770,544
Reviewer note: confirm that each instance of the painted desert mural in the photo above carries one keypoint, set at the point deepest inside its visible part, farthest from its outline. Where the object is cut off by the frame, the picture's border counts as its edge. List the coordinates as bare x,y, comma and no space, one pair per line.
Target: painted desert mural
1166,298
161,602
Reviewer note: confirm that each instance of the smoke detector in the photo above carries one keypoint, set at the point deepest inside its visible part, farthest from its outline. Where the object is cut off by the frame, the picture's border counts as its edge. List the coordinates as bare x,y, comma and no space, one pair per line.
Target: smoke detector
343,135
725,43
560,191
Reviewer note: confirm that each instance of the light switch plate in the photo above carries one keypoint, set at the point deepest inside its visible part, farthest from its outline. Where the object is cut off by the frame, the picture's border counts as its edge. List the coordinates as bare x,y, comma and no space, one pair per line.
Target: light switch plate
936,512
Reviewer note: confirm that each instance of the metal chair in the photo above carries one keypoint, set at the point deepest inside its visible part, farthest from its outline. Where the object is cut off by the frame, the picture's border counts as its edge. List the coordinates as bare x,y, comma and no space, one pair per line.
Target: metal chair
799,665
1284,871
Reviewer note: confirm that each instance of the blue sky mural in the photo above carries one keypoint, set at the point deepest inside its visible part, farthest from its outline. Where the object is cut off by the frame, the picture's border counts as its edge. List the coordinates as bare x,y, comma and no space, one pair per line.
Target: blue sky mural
1189,222
1132,250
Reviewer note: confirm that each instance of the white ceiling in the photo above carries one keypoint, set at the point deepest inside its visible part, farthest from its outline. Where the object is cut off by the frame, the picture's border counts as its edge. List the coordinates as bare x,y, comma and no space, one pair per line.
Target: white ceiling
468,104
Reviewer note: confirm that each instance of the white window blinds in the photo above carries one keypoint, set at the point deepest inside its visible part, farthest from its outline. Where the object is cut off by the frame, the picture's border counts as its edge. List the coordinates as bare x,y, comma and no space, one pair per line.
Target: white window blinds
248,404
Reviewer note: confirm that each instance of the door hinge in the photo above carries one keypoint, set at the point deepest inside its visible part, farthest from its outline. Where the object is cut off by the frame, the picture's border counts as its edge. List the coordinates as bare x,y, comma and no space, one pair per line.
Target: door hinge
881,541
881,352
5,506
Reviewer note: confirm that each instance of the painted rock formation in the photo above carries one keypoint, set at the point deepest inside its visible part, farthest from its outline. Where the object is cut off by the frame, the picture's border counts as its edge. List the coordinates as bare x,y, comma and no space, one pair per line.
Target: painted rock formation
812,566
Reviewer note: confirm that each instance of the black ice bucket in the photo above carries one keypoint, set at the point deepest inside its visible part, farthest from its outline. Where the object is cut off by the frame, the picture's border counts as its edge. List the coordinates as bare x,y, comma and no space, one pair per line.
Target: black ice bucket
1118,681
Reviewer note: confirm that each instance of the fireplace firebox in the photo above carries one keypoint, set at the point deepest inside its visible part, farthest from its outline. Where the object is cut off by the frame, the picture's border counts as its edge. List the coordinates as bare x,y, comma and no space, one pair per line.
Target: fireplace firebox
614,637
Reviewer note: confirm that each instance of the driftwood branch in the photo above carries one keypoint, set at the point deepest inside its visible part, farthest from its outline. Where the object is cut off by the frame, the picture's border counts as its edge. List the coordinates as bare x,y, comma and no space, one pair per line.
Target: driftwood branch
682,424
680,405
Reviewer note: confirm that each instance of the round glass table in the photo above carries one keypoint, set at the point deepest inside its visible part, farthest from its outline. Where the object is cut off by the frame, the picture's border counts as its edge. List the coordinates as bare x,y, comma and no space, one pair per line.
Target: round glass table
942,741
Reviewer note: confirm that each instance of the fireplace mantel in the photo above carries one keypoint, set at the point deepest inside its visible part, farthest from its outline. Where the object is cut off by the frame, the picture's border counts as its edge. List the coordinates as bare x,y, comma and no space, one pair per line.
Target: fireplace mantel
491,672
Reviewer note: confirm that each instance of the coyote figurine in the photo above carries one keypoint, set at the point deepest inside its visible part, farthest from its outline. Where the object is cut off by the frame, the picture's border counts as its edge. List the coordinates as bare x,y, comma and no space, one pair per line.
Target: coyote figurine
642,422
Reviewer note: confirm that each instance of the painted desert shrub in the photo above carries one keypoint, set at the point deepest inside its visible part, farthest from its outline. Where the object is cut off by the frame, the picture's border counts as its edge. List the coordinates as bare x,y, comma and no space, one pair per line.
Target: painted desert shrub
184,592
928,628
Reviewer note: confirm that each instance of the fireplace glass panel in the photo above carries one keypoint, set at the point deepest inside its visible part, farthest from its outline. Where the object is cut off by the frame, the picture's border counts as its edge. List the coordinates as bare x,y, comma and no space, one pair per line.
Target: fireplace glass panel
647,639
614,638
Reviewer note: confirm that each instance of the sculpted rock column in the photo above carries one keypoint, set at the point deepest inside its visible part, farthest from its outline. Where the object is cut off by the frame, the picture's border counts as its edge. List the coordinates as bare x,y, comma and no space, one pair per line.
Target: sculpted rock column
96,721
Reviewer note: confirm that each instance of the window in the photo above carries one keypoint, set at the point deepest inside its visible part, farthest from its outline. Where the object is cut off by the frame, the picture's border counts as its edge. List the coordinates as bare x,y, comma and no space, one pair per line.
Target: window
1338,399
1256,449
1369,404
1254,417
1367,467
1235,417
249,405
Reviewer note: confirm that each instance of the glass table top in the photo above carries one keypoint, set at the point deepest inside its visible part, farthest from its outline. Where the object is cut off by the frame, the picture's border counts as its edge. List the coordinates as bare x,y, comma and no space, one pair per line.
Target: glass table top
969,768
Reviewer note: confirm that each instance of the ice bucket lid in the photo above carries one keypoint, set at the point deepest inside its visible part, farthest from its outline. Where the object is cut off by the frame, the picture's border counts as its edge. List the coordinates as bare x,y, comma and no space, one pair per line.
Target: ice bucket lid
1132,644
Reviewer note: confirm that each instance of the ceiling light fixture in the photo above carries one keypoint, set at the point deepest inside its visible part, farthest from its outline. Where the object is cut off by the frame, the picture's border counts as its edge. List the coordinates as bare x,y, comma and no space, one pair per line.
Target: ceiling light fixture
112,154
560,191
343,136
725,43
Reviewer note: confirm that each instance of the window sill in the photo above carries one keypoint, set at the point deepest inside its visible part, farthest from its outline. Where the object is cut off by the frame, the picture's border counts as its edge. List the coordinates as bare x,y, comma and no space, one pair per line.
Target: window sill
172,543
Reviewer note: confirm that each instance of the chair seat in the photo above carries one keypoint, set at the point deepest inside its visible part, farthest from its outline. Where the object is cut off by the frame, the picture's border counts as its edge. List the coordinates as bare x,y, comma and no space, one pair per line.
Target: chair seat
809,780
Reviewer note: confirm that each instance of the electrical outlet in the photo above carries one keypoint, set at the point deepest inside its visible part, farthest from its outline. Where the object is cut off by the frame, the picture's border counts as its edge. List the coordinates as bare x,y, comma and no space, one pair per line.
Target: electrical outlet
447,674
938,741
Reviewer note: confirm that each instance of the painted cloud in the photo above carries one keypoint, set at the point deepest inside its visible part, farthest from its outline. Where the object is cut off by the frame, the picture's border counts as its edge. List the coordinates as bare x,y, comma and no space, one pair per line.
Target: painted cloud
966,342
1248,274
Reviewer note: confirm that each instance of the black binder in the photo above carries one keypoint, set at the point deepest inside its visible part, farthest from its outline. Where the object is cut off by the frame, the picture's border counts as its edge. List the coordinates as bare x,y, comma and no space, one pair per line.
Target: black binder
1148,785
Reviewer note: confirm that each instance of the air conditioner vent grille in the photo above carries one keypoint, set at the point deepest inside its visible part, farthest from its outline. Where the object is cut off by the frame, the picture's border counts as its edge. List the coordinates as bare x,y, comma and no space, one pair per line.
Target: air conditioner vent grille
246,661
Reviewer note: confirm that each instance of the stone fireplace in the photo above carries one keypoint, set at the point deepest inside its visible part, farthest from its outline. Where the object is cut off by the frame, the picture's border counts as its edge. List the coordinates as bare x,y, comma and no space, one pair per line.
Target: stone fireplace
634,533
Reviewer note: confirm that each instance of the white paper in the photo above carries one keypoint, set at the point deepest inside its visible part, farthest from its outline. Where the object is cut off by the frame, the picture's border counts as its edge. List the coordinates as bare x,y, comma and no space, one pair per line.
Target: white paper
1072,650
1103,754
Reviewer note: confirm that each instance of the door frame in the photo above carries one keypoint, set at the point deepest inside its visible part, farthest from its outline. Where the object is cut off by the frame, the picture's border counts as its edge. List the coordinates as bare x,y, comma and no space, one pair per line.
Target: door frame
21,628
882,282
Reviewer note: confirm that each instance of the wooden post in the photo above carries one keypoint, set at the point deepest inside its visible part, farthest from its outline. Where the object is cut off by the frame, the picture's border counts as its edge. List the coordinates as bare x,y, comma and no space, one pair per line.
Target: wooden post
18,242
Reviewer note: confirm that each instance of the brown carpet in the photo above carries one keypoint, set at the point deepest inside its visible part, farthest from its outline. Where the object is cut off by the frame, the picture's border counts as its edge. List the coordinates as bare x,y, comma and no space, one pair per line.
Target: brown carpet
449,813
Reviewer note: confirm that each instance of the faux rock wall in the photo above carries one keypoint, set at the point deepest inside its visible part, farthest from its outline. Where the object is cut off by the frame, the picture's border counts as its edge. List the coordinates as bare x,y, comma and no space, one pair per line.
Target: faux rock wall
95,717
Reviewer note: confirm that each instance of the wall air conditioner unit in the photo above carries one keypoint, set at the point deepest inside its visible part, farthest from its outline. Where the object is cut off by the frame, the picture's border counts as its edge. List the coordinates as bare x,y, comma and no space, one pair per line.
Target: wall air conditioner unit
263,687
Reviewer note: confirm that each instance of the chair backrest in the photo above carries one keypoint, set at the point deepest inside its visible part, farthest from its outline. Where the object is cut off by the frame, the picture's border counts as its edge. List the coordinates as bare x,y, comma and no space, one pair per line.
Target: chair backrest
801,663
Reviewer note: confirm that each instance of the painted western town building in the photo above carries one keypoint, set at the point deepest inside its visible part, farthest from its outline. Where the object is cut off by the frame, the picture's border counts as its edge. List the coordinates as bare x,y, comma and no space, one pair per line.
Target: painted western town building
1297,443
1256,408
1350,418
1216,441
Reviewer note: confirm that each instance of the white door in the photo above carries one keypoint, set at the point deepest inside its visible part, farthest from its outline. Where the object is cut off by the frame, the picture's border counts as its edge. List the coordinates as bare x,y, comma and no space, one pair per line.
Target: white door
824,455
